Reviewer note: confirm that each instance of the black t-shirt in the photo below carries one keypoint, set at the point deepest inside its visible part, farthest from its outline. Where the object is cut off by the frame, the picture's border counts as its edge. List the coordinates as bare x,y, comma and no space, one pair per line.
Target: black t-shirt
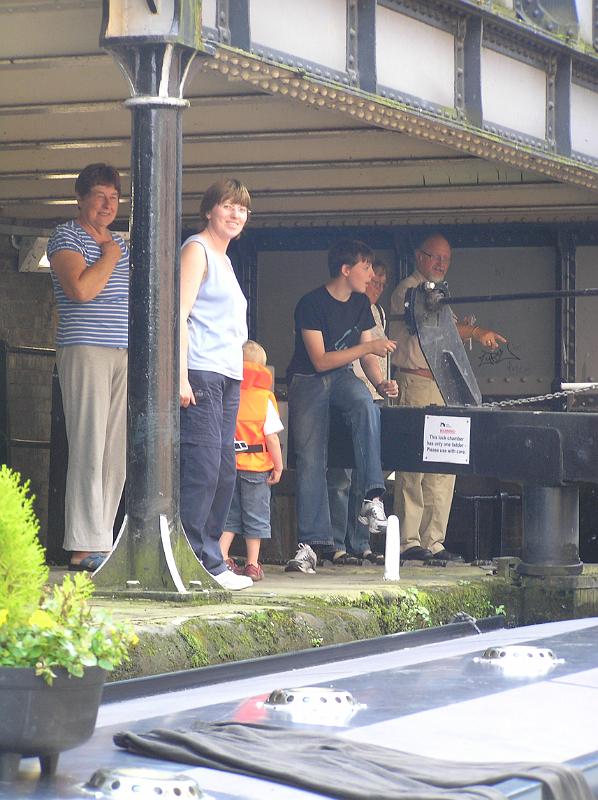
341,324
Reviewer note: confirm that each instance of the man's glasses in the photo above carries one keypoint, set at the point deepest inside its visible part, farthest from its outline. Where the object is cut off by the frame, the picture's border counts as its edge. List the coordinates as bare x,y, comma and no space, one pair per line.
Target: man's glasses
444,260
378,284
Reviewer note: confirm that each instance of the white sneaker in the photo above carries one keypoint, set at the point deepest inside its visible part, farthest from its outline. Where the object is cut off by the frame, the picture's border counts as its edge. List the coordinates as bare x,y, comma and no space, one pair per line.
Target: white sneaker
304,561
372,514
228,580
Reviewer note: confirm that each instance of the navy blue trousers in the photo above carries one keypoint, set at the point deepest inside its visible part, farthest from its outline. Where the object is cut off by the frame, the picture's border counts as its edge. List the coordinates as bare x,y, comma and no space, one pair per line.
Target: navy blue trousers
208,467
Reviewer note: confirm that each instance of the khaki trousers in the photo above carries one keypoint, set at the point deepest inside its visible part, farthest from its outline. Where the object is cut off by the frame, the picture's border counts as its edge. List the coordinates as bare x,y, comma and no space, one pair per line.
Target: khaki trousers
422,501
93,381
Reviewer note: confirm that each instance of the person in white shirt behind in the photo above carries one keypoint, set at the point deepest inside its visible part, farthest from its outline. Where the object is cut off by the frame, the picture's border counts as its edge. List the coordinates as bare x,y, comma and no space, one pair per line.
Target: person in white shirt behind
374,292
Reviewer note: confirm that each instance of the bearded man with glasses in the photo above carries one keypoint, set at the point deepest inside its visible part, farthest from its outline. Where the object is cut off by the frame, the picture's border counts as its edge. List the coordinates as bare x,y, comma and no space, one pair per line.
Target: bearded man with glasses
422,501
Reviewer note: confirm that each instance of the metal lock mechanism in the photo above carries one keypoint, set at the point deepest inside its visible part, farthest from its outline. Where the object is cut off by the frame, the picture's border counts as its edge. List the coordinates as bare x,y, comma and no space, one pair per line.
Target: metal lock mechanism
312,706
519,661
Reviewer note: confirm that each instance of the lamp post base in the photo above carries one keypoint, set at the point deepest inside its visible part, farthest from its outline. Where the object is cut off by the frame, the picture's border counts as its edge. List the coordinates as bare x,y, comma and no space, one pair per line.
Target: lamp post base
162,567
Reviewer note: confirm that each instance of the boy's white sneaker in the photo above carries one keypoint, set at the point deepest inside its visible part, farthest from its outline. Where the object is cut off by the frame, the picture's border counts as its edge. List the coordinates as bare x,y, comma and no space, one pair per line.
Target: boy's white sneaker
228,580
304,561
372,514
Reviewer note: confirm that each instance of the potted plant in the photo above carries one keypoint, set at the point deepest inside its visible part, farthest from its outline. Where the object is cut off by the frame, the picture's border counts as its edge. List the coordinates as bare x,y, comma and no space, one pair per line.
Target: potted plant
55,649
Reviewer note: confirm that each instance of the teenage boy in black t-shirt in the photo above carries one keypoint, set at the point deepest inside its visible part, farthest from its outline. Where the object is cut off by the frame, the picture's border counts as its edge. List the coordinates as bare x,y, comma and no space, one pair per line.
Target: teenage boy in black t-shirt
333,328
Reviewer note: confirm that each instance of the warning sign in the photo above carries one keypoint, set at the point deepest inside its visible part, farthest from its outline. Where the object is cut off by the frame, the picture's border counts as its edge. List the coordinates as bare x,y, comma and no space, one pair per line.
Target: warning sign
447,439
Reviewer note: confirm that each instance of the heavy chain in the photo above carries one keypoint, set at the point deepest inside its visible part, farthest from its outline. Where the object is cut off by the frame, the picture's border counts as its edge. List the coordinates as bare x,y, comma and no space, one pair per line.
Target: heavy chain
522,401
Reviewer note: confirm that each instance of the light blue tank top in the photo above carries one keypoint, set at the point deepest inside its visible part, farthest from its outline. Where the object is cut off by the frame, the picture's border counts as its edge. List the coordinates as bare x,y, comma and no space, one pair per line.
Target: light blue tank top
217,324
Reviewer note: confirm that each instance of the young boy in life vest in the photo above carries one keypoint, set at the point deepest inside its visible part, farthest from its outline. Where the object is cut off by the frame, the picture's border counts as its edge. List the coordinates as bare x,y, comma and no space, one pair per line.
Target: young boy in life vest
259,462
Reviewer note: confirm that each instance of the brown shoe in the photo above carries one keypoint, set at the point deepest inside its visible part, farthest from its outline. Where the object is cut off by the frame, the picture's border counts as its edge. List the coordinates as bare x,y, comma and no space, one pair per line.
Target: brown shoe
232,565
253,572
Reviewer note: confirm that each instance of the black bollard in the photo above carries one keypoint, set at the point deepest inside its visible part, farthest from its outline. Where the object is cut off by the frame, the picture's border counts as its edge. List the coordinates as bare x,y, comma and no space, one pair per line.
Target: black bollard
550,531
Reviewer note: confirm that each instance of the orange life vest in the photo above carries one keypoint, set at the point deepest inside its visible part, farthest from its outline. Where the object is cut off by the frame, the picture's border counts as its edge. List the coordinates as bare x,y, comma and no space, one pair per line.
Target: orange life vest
255,393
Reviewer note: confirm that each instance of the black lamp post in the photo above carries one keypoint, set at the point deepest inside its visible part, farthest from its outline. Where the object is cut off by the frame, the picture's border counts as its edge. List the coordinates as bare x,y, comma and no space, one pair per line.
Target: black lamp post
154,43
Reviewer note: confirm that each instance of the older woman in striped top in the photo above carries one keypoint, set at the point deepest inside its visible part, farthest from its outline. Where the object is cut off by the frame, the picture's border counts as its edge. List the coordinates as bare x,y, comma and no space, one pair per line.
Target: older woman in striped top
90,274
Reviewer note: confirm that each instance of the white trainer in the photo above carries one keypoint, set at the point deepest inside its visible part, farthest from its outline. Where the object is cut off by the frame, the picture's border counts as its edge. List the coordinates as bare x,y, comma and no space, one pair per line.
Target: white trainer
304,561
372,514
228,580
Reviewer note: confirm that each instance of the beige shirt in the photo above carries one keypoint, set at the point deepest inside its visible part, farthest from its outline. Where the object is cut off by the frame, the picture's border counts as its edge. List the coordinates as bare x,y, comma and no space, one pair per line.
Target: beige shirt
408,353
377,333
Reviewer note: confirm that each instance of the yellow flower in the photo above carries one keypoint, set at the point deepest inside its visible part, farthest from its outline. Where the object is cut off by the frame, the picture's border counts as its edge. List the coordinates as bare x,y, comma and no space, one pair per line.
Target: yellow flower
41,619
134,639
3,615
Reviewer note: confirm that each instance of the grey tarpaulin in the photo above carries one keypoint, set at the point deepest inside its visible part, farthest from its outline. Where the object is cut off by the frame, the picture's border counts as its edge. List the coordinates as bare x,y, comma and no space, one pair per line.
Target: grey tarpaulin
336,767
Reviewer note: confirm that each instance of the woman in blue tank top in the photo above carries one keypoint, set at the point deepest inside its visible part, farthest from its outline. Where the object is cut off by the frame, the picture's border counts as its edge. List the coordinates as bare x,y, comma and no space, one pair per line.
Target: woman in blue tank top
213,330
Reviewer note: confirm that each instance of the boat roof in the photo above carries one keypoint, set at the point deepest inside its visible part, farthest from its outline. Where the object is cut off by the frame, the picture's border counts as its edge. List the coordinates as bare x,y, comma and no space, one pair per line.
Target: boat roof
463,698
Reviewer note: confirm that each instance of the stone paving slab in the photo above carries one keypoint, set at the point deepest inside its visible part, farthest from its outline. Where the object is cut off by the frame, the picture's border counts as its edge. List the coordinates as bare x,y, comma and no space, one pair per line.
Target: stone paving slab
280,588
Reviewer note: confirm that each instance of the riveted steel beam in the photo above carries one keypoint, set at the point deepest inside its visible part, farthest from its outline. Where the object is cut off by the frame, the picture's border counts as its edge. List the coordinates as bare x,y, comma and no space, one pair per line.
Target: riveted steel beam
384,113
562,105
557,18
364,19
472,71
238,22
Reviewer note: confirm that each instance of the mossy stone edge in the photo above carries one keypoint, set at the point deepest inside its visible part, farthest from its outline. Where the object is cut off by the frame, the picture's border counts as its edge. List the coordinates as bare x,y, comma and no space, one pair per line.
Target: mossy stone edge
307,622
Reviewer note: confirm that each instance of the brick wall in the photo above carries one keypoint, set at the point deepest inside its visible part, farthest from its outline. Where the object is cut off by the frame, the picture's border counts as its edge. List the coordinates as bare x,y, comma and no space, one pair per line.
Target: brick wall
28,318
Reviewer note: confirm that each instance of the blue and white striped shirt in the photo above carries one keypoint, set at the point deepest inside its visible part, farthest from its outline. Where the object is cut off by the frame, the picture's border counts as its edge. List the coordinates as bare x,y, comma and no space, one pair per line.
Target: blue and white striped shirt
102,321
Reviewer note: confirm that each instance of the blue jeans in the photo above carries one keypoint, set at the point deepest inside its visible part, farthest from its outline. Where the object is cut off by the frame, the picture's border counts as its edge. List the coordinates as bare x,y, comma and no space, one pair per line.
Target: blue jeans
310,400
344,500
208,466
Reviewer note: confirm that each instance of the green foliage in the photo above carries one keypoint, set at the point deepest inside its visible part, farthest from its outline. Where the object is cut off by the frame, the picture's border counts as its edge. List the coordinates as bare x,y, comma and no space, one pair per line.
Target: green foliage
476,599
409,609
61,631
66,632
404,611
23,571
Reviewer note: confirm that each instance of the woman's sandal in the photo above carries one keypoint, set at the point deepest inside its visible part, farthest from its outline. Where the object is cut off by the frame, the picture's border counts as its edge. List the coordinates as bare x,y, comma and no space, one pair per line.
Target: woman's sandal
88,564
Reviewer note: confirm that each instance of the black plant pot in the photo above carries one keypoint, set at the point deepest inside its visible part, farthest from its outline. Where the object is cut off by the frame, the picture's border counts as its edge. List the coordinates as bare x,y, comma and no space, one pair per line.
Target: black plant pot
41,720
